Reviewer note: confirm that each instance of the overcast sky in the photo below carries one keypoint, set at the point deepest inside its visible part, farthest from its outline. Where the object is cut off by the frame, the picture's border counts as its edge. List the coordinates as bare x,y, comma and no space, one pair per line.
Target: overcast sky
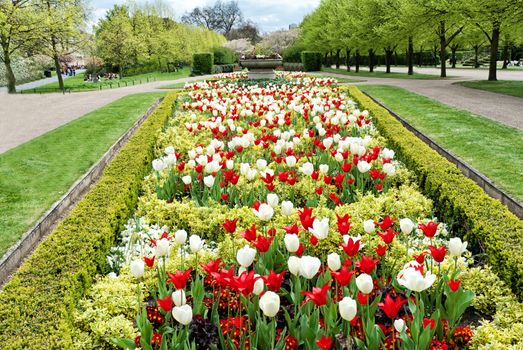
270,15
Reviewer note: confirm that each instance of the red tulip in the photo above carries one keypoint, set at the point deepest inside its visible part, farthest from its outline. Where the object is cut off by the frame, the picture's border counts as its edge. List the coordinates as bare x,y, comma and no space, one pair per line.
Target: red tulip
293,229
149,261
430,229
224,277
324,343
346,167
392,307
300,250
230,225
212,266
179,279
306,217
273,280
420,258
263,243
343,224
387,236
318,295
250,233
166,303
343,276
454,285
386,223
244,283
429,322
367,264
438,254
381,250
362,298
352,247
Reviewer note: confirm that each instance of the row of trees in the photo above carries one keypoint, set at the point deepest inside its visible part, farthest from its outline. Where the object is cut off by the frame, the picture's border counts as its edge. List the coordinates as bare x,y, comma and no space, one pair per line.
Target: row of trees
54,28
368,27
146,34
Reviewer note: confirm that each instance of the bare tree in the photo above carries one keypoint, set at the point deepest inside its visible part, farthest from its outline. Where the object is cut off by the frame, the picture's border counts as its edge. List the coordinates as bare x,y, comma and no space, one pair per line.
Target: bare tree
247,30
220,17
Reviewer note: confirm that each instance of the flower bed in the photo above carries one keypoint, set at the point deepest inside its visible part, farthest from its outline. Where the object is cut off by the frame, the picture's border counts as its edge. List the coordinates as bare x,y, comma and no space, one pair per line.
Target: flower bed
280,211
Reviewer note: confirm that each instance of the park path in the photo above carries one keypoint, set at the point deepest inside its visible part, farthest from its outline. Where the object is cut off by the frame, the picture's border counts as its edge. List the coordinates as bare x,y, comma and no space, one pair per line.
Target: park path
501,108
26,116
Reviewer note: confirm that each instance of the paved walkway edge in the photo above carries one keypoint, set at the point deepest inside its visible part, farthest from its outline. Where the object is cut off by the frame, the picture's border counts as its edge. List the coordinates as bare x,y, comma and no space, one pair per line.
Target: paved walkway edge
14,257
481,180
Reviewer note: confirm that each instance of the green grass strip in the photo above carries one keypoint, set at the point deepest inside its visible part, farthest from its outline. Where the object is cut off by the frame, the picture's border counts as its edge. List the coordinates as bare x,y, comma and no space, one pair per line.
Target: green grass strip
380,74
490,147
36,174
506,87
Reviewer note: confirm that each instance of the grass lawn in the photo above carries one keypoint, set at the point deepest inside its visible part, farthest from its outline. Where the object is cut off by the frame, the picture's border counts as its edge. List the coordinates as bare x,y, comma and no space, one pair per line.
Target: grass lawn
175,85
77,82
379,74
506,87
490,147
36,174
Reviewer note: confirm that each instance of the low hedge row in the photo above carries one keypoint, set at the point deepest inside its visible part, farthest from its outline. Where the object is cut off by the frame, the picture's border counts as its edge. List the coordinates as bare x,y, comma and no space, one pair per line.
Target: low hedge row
487,224
37,304
202,63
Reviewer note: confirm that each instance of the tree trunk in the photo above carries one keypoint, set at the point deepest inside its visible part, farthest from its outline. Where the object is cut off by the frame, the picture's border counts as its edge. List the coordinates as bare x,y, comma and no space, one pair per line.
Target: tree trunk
476,56
388,59
494,44
357,63
347,52
505,57
454,49
338,58
371,60
11,79
410,56
58,72
326,60
442,49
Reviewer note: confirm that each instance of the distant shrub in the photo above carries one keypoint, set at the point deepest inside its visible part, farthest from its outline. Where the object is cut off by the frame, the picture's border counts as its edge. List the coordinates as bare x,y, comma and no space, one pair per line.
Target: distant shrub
202,63
311,60
223,55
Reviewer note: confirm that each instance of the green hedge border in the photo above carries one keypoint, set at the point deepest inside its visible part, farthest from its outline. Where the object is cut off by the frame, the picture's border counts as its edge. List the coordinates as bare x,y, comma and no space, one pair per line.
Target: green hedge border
36,305
487,224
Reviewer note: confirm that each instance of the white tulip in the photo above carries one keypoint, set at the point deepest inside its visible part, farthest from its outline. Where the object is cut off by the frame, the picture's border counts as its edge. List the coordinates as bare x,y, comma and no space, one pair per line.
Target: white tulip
399,325
179,298
364,283
334,261
292,242
309,266
169,150
244,168
287,208
208,181
261,164
182,314
290,161
338,157
406,225
162,247
324,168
170,160
191,153
158,164
348,308
187,179
363,166
368,226
412,279
245,256
320,228
196,243
328,142
137,268
180,236
387,153
307,168
273,200
258,286
264,212
293,264
456,247
270,304
389,169
229,164
251,174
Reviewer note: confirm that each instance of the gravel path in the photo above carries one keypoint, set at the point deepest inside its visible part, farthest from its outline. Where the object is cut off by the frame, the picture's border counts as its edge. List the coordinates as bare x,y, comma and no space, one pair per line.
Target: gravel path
502,108
26,116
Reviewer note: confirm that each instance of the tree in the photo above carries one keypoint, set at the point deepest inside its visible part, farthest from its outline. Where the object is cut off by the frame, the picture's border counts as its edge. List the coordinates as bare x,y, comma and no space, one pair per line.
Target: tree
241,46
246,30
19,23
493,17
221,17
278,41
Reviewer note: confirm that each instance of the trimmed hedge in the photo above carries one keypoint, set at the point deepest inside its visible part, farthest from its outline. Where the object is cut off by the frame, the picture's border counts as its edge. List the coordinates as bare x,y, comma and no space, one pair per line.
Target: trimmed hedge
202,63
485,222
37,304
311,61
223,55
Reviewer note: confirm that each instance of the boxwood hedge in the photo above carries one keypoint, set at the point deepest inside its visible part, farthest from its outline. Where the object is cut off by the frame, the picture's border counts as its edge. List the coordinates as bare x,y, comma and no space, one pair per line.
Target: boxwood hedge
487,224
37,304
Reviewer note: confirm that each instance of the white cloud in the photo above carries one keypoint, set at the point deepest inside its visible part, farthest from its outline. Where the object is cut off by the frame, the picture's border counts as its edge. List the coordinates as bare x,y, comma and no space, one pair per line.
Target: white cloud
270,15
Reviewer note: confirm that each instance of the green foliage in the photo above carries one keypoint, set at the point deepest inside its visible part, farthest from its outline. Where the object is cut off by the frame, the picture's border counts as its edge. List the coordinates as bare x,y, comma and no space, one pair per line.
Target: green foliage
486,223
37,304
202,63
292,53
223,55
311,61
